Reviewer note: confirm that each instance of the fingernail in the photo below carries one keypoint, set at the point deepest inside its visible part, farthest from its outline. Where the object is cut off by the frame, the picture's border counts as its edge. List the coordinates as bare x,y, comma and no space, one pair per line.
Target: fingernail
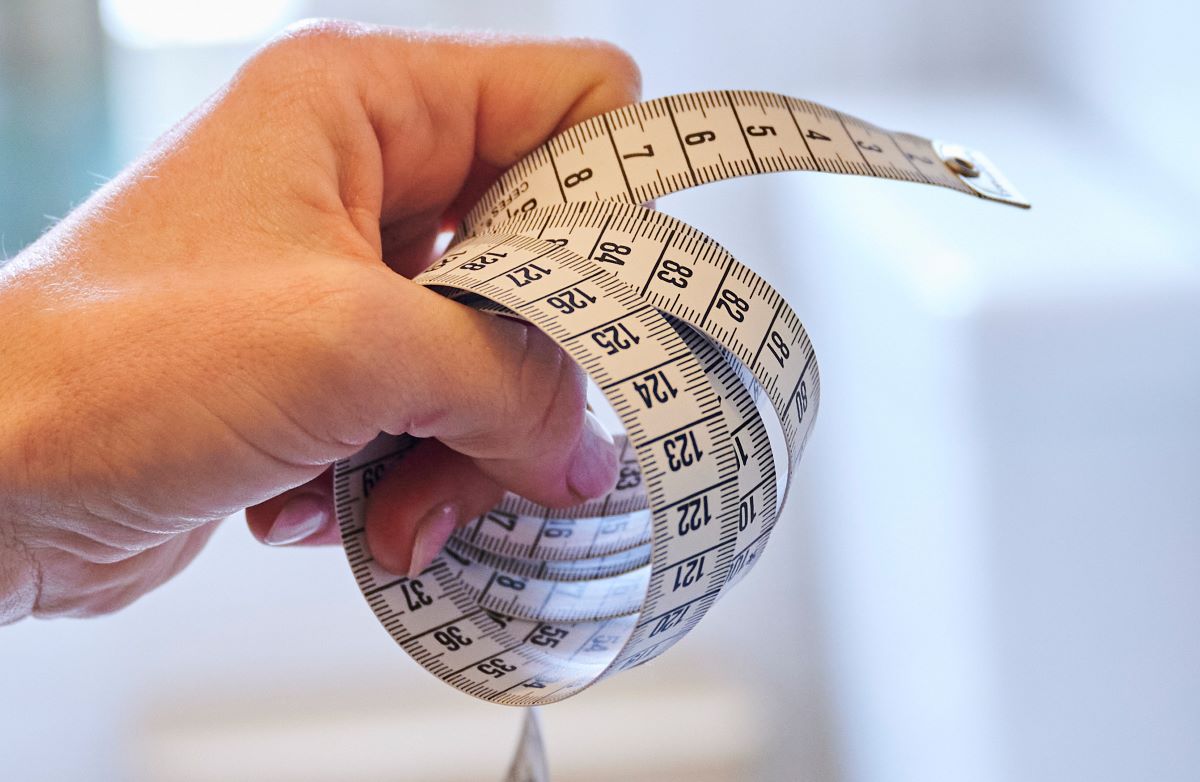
593,468
432,533
301,517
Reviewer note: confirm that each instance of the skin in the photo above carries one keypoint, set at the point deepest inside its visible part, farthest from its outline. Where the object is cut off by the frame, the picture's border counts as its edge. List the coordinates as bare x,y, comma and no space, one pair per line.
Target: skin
233,313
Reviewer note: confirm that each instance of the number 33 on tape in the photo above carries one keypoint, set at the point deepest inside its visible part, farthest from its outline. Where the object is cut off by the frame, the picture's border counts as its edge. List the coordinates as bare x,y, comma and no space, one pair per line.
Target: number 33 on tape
528,605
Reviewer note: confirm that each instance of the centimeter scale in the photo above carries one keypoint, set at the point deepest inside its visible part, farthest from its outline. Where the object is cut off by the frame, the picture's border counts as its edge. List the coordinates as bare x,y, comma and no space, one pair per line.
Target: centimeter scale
528,605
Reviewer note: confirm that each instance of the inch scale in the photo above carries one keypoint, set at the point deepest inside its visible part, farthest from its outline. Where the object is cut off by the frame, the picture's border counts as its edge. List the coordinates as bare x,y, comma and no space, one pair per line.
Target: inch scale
528,605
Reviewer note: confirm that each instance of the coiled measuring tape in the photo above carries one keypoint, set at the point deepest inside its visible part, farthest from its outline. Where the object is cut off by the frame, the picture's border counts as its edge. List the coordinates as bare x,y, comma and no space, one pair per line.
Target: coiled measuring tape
529,605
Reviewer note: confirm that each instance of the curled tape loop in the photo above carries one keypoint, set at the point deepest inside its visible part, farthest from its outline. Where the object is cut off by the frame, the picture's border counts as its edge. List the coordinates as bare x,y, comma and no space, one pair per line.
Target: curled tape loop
528,605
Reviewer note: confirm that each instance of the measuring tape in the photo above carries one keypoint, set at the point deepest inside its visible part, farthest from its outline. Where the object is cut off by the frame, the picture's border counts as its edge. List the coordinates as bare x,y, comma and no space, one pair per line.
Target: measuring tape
528,605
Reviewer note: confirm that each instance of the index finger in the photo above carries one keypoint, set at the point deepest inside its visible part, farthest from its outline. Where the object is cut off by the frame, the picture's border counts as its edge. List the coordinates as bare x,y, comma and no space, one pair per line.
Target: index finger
417,124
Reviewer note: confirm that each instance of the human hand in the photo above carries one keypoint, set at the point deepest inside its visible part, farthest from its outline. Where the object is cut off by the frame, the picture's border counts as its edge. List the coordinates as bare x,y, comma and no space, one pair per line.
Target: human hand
232,314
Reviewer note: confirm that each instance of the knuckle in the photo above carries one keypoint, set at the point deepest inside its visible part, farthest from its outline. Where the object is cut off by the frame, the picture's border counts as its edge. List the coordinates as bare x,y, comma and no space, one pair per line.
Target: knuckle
309,35
618,63
304,50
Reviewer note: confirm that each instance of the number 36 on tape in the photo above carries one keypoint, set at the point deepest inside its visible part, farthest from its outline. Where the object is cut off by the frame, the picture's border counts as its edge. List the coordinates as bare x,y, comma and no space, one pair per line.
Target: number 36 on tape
528,605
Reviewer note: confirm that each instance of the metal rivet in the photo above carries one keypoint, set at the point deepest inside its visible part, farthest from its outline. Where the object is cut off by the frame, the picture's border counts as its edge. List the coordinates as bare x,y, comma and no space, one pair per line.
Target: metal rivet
962,166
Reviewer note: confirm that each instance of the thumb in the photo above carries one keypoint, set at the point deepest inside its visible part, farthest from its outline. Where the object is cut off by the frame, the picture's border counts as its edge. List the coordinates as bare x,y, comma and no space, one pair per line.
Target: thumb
490,388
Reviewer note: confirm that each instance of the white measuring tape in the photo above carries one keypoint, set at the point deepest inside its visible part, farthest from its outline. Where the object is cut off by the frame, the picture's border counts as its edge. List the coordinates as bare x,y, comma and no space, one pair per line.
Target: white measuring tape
529,605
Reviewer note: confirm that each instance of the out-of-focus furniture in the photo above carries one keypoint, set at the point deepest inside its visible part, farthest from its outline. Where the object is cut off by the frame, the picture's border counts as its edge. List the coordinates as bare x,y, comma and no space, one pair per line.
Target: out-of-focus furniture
1006,470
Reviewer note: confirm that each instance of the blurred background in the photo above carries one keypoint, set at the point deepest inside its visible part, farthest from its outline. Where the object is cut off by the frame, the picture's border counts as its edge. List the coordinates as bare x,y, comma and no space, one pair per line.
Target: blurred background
990,567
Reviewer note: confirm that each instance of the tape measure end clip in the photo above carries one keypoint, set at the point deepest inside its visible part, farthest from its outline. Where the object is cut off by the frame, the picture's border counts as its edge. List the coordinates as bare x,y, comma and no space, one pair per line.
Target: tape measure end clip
977,172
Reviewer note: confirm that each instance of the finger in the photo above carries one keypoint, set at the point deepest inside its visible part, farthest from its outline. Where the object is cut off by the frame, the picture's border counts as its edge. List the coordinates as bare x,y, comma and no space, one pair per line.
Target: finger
491,388
509,94
417,506
299,516
417,124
